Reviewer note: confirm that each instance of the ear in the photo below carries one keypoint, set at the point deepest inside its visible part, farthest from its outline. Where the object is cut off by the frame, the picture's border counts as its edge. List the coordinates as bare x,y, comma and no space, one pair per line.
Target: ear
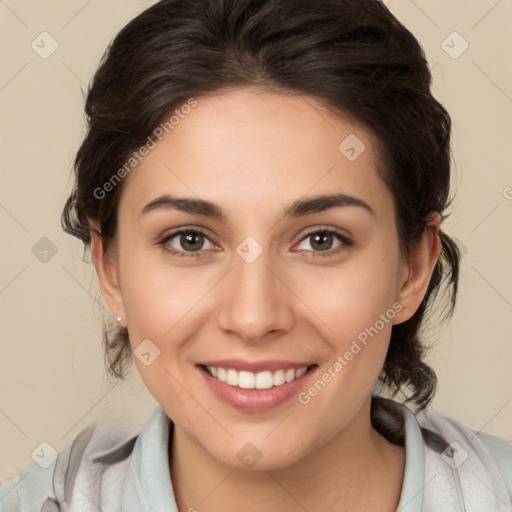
417,271
105,264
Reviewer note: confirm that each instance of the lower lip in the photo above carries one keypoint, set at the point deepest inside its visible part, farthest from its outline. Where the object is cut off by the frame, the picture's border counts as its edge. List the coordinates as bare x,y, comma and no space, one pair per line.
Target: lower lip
255,399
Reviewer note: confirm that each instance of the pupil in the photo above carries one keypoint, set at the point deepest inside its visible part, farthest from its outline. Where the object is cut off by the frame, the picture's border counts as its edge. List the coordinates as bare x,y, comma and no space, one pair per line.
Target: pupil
321,238
188,239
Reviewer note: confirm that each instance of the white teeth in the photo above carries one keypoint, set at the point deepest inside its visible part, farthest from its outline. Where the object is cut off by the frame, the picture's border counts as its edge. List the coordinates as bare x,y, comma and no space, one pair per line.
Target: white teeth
278,378
264,380
246,380
290,375
260,380
232,377
221,374
300,372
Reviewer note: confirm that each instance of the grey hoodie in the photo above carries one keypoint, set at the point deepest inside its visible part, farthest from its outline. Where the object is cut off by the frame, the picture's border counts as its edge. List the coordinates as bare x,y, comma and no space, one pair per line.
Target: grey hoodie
448,468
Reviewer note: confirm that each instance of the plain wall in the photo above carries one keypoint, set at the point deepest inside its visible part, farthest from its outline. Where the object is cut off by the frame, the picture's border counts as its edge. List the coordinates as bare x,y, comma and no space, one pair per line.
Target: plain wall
52,376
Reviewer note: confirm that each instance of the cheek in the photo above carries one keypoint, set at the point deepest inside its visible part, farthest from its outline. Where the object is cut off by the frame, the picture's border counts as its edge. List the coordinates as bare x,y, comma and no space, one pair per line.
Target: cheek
154,293
163,302
163,305
354,310
353,306
351,297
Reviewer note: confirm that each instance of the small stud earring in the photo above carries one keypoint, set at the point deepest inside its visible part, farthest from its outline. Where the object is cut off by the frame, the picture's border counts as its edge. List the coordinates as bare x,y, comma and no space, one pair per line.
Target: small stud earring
118,319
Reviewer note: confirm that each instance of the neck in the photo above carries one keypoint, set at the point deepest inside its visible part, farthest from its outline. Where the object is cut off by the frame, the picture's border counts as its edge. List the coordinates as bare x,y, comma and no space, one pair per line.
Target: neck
355,471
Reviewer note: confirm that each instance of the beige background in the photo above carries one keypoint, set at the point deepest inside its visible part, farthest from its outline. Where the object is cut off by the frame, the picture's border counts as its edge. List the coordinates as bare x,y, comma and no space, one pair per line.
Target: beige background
52,379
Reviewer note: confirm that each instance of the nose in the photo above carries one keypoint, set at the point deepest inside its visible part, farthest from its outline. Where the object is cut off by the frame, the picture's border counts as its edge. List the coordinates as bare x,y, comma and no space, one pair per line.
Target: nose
255,301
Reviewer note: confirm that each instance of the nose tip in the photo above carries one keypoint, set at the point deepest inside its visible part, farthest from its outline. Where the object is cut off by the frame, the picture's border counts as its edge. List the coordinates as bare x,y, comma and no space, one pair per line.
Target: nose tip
254,301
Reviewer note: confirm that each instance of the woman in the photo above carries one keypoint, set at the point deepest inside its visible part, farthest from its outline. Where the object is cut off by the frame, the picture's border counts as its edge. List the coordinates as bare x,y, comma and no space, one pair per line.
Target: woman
262,188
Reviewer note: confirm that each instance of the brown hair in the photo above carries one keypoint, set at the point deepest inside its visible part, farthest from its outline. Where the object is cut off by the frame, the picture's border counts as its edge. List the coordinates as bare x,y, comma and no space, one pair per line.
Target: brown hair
353,55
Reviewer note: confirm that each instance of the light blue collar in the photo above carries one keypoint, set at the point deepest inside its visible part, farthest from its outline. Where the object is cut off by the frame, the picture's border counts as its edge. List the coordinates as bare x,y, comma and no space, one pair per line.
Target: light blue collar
411,497
148,483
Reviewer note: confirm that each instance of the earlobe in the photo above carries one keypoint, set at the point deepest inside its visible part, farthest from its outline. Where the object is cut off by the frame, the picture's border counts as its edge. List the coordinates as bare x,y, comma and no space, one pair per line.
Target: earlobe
106,270
418,271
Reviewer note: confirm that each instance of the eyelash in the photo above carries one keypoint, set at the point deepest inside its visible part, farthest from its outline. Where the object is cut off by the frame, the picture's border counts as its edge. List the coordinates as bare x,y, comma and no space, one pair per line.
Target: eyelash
346,242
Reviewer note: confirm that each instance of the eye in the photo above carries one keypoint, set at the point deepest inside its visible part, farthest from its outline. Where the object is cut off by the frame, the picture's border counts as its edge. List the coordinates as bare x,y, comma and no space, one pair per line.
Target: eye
322,241
191,242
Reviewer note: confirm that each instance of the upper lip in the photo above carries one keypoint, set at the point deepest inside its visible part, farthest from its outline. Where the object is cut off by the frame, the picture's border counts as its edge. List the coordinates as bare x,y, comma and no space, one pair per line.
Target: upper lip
255,366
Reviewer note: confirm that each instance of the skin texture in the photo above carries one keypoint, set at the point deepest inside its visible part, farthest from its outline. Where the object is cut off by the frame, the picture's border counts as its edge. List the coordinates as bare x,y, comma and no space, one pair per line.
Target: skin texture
253,153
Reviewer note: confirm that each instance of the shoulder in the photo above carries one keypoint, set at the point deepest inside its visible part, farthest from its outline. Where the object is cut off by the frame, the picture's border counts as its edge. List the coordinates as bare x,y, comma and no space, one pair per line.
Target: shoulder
467,450
30,488
500,450
98,452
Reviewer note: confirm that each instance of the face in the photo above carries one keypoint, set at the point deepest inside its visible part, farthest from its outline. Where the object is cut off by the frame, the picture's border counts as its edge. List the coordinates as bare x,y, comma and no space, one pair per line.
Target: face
267,283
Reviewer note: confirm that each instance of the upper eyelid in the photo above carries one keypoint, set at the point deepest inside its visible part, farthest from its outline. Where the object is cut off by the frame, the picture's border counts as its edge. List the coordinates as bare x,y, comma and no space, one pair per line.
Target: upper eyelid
185,229
336,231
345,239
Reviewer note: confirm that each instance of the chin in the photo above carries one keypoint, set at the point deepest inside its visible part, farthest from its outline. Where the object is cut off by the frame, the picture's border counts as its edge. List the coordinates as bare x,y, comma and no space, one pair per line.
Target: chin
259,455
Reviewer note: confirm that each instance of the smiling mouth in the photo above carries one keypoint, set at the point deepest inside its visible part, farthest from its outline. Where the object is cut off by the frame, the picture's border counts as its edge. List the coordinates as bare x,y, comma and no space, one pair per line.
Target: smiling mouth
256,380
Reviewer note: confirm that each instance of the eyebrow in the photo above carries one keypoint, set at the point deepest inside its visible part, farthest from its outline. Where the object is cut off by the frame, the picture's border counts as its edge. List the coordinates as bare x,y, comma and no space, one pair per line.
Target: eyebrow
298,208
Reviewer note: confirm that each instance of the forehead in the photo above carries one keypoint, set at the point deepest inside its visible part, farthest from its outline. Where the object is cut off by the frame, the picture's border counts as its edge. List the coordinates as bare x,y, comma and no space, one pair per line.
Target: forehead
244,147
